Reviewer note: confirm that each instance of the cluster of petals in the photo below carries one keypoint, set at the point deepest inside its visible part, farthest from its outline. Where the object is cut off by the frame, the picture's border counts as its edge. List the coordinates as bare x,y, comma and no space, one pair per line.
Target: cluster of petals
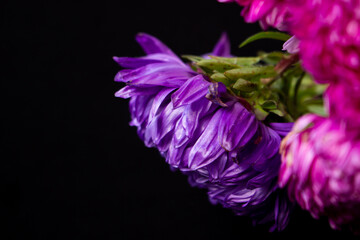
321,163
329,35
321,170
205,132
321,156
269,13
329,46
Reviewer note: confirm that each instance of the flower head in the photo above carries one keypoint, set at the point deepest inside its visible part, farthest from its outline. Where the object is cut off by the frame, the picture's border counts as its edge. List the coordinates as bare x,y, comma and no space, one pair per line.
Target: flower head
343,103
205,132
321,165
329,35
270,13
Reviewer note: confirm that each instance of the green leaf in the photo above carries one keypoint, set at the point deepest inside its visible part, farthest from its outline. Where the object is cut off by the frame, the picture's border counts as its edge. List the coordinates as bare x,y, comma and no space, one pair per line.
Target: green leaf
265,35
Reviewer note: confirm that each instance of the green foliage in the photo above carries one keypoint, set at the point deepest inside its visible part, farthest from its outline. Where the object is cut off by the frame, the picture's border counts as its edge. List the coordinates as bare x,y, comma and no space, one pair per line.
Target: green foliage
285,94
265,35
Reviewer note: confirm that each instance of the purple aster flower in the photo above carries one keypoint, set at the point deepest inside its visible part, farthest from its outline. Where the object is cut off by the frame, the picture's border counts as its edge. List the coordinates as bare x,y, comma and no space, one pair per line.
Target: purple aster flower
321,165
205,132
270,13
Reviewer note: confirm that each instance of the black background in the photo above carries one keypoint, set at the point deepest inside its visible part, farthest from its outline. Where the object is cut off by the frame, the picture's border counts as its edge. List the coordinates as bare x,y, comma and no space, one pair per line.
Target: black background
71,167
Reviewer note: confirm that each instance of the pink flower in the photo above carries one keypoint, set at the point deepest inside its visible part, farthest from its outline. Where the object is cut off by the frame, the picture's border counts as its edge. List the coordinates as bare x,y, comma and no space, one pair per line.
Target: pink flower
329,35
321,168
270,13
291,45
343,104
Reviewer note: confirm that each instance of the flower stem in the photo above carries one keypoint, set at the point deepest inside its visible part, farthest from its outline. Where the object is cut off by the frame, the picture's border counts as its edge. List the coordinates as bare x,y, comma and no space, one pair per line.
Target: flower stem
296,90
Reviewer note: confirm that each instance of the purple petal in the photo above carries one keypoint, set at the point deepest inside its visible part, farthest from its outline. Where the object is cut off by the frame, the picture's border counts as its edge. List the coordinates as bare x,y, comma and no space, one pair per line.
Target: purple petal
207,148
236,127
260,149
173,68
222,47
194,89
163,123
131,91
165,79
160,102
152,45
139,108
178,155
216,169
190,120
268,174
282,128
131,62
282,209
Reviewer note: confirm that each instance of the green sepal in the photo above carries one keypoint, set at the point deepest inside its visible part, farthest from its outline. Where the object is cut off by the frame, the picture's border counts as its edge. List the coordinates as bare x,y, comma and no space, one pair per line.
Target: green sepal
219,77
215,65
192,58
250,72
265,35
260,113
277,112
269,105
244,85
240,61
272,58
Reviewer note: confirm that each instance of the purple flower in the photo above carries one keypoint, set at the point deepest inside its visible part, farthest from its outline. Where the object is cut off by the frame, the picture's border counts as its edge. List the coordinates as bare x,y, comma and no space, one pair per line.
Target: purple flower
205,132
321,165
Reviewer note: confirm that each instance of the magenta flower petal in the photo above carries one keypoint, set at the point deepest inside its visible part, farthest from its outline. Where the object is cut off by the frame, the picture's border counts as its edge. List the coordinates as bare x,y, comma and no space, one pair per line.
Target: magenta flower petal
291,45
257,10
270,13
324,178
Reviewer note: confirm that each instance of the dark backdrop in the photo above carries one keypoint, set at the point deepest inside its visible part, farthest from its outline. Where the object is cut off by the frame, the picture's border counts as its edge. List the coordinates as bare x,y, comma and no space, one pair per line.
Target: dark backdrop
71,167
